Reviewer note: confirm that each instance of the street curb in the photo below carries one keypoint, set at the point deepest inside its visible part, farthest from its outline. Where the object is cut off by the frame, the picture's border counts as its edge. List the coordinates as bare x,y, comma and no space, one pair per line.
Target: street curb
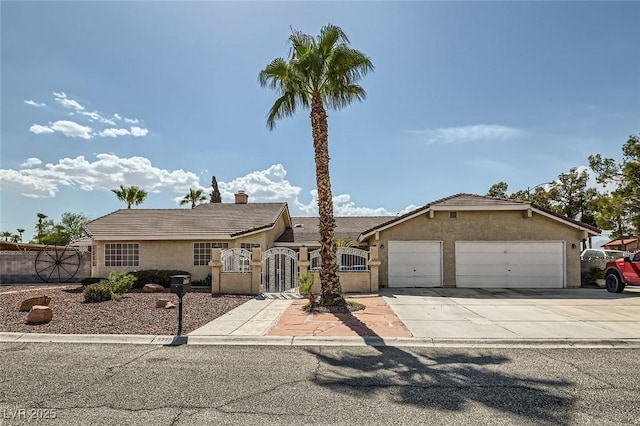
164,340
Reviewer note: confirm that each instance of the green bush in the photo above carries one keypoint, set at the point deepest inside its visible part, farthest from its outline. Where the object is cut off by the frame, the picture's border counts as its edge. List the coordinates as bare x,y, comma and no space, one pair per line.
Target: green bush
98,292
155,276
305,282
205,282
121,282
90,280
109,289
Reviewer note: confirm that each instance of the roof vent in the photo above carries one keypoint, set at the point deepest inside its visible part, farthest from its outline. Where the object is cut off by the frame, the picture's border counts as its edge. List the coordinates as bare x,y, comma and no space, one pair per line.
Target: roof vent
298,225
241,197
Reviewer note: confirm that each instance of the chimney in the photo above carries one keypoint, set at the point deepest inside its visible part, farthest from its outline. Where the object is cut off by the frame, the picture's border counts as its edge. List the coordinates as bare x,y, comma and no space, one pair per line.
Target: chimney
241,197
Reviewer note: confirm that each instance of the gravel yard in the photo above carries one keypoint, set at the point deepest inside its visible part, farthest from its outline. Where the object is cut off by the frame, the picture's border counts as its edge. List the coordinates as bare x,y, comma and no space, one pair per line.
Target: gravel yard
134,314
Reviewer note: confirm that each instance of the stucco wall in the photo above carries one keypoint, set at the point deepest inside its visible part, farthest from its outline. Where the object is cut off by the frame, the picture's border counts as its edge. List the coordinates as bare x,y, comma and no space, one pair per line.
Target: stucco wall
18,267
480,226
235,283
179,254
155,255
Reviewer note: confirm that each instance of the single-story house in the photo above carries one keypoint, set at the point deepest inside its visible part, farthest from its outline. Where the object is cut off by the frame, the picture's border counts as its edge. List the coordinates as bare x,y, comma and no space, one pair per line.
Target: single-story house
460,241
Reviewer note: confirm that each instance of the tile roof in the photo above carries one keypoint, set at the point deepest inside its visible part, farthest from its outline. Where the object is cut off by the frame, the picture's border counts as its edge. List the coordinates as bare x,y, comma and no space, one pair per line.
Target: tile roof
305,229
220,219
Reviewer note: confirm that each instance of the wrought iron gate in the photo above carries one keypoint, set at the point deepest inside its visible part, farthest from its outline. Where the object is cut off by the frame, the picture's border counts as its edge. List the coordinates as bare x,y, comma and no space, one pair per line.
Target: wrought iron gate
279,270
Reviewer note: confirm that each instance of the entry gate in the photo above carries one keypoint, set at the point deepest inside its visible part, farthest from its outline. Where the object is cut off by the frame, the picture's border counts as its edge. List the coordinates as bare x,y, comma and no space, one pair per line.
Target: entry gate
279,270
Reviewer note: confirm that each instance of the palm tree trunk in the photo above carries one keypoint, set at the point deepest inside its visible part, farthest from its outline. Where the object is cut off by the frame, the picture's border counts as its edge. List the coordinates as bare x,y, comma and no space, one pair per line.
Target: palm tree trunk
331,293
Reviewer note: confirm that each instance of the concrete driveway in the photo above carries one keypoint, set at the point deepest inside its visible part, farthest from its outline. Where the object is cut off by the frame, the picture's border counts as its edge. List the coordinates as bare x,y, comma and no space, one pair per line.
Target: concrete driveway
455,313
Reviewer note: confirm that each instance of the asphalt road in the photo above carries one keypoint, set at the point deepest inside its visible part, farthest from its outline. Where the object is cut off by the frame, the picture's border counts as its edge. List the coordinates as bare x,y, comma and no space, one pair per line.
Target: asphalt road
83,384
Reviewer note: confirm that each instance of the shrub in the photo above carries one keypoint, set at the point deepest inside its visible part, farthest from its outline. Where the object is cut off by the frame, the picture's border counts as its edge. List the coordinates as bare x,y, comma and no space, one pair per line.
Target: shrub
98,292
590,275
120,282
155,276
109,289
205,282
305,282
90,280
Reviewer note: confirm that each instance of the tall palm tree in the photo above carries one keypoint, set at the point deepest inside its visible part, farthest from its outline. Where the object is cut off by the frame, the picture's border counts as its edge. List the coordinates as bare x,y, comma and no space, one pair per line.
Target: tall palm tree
321,71
132,195
20,231
194,197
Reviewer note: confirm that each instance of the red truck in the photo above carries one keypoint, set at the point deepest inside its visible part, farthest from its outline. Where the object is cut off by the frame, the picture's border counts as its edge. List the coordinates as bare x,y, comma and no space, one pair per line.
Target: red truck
621,272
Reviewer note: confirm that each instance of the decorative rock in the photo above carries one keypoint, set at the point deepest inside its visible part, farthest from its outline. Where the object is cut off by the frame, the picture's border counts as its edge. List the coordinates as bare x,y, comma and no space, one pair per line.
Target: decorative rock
161,303
169,305
30,303
39,315
152,288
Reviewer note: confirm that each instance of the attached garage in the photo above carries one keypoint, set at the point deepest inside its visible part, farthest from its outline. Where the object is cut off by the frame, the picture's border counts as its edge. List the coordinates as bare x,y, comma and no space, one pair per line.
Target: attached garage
510,264
474,241
415,263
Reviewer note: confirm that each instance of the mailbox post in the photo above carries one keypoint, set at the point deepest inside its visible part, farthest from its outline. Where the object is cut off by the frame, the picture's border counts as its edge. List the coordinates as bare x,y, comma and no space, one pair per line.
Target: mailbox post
180,285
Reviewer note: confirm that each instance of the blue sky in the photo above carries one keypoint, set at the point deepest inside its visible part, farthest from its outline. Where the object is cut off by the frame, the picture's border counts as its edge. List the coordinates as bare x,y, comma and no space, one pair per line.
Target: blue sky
165,94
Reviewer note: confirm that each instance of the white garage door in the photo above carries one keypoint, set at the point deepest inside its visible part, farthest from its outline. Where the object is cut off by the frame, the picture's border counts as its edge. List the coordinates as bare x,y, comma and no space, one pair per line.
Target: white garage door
510,264
415,263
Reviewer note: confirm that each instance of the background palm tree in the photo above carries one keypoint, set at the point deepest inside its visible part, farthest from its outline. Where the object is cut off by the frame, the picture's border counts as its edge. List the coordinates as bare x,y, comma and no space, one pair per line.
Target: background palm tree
6,235
194,197
20,231
320,71
132,195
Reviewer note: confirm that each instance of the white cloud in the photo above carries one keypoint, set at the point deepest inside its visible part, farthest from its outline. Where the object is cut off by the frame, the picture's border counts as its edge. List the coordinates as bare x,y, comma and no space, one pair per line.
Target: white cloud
35,104
114,133
30,162
264,185
342,206
479,132
96,116
37,129
72,129
78,129
30,186
107,172
139,131
62,99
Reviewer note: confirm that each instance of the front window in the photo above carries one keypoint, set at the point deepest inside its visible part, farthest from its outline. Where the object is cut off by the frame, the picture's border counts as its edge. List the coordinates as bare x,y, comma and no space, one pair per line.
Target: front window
202,252
122,254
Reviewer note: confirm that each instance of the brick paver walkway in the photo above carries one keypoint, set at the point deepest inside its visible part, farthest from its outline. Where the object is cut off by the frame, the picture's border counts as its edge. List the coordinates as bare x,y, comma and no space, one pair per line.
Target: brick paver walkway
377,319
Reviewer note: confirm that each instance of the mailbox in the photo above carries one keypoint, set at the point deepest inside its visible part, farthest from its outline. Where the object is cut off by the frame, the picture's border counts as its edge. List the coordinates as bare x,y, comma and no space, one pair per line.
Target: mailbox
180,284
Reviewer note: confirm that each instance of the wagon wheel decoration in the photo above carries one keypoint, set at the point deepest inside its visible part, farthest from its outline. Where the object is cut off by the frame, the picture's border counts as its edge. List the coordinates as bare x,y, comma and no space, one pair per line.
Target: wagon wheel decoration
57,263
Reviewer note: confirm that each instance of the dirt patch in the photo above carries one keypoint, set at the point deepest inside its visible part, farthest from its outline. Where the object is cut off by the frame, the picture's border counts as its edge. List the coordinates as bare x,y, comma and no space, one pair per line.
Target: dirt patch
134,314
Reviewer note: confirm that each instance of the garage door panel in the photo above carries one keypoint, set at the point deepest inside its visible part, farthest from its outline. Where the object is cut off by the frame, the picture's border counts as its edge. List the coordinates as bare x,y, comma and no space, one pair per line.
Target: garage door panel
510,264
415,263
